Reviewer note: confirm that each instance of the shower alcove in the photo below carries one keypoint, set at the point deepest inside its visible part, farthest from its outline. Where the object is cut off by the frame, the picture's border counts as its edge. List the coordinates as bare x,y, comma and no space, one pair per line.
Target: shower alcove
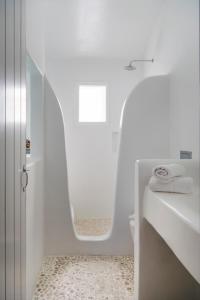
139,138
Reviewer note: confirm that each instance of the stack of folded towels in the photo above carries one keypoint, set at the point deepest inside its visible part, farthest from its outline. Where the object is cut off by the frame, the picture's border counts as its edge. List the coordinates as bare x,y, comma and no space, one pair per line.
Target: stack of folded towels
170,178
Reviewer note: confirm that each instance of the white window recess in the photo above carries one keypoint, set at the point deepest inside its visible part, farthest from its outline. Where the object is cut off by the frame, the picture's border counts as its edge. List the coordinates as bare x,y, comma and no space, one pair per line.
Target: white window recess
92,106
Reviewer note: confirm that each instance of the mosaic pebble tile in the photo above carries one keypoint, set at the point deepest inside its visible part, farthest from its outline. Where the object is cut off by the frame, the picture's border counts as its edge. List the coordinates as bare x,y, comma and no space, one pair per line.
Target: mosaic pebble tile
93,227
85,278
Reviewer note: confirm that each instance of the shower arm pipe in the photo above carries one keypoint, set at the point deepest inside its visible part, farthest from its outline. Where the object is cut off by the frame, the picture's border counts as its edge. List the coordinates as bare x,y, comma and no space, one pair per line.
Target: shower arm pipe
138,60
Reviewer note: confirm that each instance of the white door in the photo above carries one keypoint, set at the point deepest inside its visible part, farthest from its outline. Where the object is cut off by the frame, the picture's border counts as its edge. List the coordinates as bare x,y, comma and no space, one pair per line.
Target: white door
12,150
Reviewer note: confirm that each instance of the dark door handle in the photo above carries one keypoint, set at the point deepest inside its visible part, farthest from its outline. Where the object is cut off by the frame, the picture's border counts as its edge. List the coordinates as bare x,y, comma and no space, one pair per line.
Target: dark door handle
24,182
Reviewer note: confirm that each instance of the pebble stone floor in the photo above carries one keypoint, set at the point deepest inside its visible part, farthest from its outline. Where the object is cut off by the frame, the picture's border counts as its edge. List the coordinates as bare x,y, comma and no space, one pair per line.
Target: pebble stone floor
93,227
85,278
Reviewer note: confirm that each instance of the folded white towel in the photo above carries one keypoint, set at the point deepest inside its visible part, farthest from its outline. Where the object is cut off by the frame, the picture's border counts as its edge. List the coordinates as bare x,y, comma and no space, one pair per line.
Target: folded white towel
182,185
168,172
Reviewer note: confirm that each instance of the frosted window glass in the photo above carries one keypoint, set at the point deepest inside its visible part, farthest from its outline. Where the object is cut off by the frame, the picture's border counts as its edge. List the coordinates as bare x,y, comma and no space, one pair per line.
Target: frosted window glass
92,103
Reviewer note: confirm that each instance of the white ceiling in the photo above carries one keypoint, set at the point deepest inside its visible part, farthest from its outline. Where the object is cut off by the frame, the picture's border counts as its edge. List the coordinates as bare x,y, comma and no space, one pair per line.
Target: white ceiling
99,28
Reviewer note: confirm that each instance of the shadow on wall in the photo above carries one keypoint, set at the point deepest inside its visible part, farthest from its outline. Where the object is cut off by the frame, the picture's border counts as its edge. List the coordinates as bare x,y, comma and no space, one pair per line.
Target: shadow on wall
144,134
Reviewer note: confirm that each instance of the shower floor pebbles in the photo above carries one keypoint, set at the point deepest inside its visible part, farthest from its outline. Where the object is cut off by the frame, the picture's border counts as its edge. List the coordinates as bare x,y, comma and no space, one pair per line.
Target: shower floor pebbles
85,278
92,226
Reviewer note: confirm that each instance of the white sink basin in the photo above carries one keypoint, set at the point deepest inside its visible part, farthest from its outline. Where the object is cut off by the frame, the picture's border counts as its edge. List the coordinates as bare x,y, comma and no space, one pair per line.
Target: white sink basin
176,217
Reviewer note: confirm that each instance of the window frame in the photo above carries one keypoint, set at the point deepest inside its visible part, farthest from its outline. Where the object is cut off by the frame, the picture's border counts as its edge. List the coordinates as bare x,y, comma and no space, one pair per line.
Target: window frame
76,110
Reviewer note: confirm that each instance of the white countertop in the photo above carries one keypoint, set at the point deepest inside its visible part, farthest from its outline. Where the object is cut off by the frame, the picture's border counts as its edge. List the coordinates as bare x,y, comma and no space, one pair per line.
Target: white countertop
176,217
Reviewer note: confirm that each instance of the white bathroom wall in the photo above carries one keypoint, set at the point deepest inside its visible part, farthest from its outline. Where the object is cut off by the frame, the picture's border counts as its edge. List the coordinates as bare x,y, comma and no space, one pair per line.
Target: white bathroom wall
34,225
35,109
35,31
174,44
35,188
140,137
90,148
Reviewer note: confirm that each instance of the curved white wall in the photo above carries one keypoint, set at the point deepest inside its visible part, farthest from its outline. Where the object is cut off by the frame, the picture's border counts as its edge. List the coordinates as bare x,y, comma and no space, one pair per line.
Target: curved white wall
91,159
144,135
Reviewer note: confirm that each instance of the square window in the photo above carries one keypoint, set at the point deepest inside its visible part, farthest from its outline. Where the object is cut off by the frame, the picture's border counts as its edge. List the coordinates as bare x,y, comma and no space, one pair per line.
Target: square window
92,103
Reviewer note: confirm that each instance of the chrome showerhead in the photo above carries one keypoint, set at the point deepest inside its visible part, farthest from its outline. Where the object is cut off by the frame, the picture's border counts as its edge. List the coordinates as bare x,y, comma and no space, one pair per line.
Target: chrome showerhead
131,67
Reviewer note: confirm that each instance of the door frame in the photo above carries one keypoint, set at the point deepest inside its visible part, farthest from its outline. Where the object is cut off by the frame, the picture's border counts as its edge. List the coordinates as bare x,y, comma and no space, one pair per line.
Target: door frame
2,151
12,150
